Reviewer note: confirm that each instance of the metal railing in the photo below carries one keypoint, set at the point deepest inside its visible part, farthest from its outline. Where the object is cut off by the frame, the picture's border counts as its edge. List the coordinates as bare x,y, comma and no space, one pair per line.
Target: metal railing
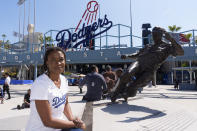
119,36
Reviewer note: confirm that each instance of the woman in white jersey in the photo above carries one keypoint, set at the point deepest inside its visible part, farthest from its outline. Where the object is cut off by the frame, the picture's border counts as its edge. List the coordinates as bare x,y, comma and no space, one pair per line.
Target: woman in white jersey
49,100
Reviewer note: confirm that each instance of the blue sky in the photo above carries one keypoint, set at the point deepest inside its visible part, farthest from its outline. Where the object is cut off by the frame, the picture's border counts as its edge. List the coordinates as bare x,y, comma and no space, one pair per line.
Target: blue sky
62,14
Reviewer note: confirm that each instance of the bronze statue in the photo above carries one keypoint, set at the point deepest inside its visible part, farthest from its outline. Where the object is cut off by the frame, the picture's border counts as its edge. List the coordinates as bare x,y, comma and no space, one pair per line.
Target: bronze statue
148,60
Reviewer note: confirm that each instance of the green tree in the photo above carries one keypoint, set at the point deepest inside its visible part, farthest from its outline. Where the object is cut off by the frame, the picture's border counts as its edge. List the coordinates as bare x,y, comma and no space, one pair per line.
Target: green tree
7,45
188,36
174,28
41,39
48,41
1,43
3,36
184,64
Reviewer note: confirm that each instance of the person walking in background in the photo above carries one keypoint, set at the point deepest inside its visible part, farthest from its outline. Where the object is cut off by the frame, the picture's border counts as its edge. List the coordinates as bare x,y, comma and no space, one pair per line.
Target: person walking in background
196,82
6,86
49,98
176,84
110,78
96,85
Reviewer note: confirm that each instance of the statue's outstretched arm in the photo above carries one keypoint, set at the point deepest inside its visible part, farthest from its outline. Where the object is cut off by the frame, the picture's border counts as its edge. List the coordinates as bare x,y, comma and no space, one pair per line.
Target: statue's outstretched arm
130,56
134,55
179,50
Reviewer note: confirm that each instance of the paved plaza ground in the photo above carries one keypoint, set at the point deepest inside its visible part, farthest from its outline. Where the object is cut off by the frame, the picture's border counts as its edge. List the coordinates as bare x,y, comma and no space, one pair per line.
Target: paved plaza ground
156,109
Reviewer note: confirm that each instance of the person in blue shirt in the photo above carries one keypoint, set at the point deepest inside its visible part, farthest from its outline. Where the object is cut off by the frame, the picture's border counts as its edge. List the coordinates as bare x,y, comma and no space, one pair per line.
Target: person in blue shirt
96,85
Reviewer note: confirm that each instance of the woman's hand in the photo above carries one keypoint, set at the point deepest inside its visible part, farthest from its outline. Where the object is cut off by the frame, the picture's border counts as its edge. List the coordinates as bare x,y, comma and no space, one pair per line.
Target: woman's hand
79,123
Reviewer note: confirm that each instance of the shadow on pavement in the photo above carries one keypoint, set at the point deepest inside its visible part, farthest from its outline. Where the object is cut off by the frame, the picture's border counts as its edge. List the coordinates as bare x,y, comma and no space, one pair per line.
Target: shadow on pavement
125,108
14,108
78,101
170,95
182,90
75,94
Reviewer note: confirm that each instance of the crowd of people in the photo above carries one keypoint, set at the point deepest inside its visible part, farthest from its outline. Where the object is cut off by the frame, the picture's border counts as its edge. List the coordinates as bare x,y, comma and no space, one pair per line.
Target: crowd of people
99,86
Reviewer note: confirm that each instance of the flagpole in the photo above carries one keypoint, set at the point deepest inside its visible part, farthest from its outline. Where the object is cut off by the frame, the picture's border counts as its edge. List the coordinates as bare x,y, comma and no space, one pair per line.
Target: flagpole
131,30
24,22
28,26
99,26
34,19
19,24
29,12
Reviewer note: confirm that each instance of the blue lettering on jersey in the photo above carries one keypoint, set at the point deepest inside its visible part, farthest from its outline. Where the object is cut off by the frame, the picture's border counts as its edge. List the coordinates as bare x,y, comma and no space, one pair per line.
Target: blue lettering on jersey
58,101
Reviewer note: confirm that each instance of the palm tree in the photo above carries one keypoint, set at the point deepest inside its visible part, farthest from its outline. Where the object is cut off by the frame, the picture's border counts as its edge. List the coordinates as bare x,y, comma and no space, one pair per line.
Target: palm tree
41,39
7,44
48,41
1,43
174,28
188,36
3,36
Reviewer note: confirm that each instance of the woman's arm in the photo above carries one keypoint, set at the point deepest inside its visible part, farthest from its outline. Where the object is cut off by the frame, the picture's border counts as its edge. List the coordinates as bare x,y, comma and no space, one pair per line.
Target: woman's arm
68,113
25,101
44,111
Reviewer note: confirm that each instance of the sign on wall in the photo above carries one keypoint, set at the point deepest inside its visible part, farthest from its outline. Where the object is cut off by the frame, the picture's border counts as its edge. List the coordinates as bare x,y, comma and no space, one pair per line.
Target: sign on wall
91,27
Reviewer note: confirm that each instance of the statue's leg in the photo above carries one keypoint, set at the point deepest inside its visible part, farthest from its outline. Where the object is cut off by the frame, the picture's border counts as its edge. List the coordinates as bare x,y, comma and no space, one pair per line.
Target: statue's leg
124,80
141,81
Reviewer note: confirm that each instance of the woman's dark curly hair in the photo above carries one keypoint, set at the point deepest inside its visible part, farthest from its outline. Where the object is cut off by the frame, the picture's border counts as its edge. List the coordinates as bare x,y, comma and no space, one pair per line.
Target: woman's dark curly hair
47,53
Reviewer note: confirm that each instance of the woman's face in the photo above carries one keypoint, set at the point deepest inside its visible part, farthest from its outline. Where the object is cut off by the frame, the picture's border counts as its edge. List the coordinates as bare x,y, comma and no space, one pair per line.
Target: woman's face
56,62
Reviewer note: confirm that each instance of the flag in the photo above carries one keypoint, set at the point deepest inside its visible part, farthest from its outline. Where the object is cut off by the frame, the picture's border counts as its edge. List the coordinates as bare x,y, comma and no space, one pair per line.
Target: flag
180,38
20,2
16,34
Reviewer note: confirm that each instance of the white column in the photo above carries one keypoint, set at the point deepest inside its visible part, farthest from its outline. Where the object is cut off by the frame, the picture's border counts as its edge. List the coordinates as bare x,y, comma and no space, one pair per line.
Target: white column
35,71
172,77
190,76
190,71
